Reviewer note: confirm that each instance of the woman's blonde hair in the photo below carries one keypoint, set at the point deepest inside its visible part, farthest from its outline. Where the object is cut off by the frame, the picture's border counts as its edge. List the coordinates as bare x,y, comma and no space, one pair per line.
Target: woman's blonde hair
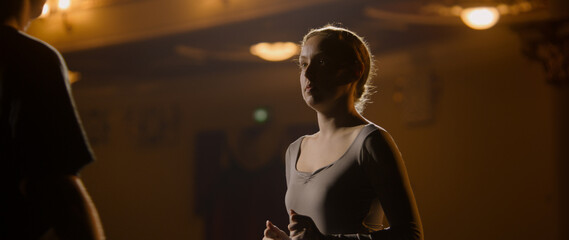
361,53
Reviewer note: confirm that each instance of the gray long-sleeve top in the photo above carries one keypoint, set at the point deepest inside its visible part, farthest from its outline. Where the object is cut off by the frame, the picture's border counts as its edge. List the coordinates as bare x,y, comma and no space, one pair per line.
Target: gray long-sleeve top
347,199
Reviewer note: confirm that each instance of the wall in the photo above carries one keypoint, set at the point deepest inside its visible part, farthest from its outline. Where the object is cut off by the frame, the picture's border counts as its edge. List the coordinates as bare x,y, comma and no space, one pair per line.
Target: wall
484,166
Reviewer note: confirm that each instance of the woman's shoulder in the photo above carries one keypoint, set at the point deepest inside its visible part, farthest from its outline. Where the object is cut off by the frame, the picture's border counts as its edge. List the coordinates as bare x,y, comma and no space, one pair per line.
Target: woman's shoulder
295,142
302,139
295,145
372,130
376,138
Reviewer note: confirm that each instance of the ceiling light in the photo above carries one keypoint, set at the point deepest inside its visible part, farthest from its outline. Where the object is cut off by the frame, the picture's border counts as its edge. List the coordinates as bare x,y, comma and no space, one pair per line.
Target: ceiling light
277,51
64,4
480,18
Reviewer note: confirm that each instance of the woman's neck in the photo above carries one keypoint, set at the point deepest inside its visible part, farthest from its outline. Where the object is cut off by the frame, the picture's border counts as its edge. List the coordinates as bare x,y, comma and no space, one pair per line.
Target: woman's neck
332,121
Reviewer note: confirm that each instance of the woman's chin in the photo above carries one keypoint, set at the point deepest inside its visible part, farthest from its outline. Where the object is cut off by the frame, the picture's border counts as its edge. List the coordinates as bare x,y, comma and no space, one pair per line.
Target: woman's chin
310,102
315,104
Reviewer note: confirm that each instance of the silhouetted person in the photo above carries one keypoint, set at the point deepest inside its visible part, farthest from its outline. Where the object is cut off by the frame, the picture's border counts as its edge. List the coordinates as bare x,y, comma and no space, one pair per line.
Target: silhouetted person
343,179
42,144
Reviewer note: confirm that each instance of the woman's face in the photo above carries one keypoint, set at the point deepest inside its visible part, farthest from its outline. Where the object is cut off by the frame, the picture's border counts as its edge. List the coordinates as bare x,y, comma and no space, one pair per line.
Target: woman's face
325,77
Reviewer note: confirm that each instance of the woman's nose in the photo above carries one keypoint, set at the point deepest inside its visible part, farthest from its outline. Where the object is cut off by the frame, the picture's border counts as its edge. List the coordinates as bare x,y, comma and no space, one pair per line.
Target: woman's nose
310,72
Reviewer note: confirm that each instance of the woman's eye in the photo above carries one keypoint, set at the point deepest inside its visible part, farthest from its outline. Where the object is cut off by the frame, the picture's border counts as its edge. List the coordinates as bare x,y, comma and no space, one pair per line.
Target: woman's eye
303,65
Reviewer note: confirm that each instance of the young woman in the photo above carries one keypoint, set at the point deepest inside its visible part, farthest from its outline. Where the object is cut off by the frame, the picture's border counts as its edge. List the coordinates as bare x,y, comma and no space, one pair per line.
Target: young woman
344,178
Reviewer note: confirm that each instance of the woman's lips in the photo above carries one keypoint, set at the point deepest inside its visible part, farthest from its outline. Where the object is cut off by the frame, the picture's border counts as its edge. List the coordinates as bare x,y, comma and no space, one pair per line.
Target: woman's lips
309,88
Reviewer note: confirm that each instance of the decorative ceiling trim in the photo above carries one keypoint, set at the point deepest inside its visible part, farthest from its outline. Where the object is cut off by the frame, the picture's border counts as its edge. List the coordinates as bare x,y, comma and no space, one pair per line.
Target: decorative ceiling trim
88,28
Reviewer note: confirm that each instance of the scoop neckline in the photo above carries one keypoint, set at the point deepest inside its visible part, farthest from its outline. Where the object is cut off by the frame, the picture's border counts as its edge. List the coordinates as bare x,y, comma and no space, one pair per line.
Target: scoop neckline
330,164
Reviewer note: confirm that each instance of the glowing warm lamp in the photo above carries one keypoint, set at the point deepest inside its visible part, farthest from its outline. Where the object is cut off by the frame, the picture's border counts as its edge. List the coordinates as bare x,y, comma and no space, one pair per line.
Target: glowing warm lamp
277,51
480,18
45,10
64,4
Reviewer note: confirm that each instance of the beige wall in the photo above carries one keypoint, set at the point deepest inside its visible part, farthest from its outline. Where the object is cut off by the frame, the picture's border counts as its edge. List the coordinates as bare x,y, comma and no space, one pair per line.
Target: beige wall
482,156
485,168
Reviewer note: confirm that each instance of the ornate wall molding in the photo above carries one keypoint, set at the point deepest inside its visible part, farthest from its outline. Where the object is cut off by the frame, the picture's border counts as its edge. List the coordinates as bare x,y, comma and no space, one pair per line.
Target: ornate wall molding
548,43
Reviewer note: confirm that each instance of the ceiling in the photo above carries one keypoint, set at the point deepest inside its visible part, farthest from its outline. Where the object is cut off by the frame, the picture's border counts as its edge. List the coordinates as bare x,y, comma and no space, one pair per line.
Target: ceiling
146,37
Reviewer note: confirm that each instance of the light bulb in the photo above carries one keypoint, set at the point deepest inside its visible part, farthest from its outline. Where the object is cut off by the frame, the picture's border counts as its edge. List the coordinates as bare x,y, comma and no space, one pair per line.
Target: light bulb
64,4
480,18
277,51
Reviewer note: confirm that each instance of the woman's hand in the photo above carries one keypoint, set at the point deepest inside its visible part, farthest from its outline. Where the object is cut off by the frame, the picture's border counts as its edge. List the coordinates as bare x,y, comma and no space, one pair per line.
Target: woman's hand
303,228
272,232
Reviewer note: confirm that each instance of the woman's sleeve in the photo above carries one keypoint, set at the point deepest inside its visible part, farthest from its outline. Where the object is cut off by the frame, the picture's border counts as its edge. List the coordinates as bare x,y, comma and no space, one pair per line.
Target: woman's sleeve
383,165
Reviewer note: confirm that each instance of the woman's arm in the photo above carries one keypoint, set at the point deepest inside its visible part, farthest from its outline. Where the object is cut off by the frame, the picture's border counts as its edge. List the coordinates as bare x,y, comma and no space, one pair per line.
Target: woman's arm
385,169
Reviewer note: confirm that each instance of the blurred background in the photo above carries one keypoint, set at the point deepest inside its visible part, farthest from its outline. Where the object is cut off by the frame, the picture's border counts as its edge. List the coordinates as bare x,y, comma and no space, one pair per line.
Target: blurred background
189,118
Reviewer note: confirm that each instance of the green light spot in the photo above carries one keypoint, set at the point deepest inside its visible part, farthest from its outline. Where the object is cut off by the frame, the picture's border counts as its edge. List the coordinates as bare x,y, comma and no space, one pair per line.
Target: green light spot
261,115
